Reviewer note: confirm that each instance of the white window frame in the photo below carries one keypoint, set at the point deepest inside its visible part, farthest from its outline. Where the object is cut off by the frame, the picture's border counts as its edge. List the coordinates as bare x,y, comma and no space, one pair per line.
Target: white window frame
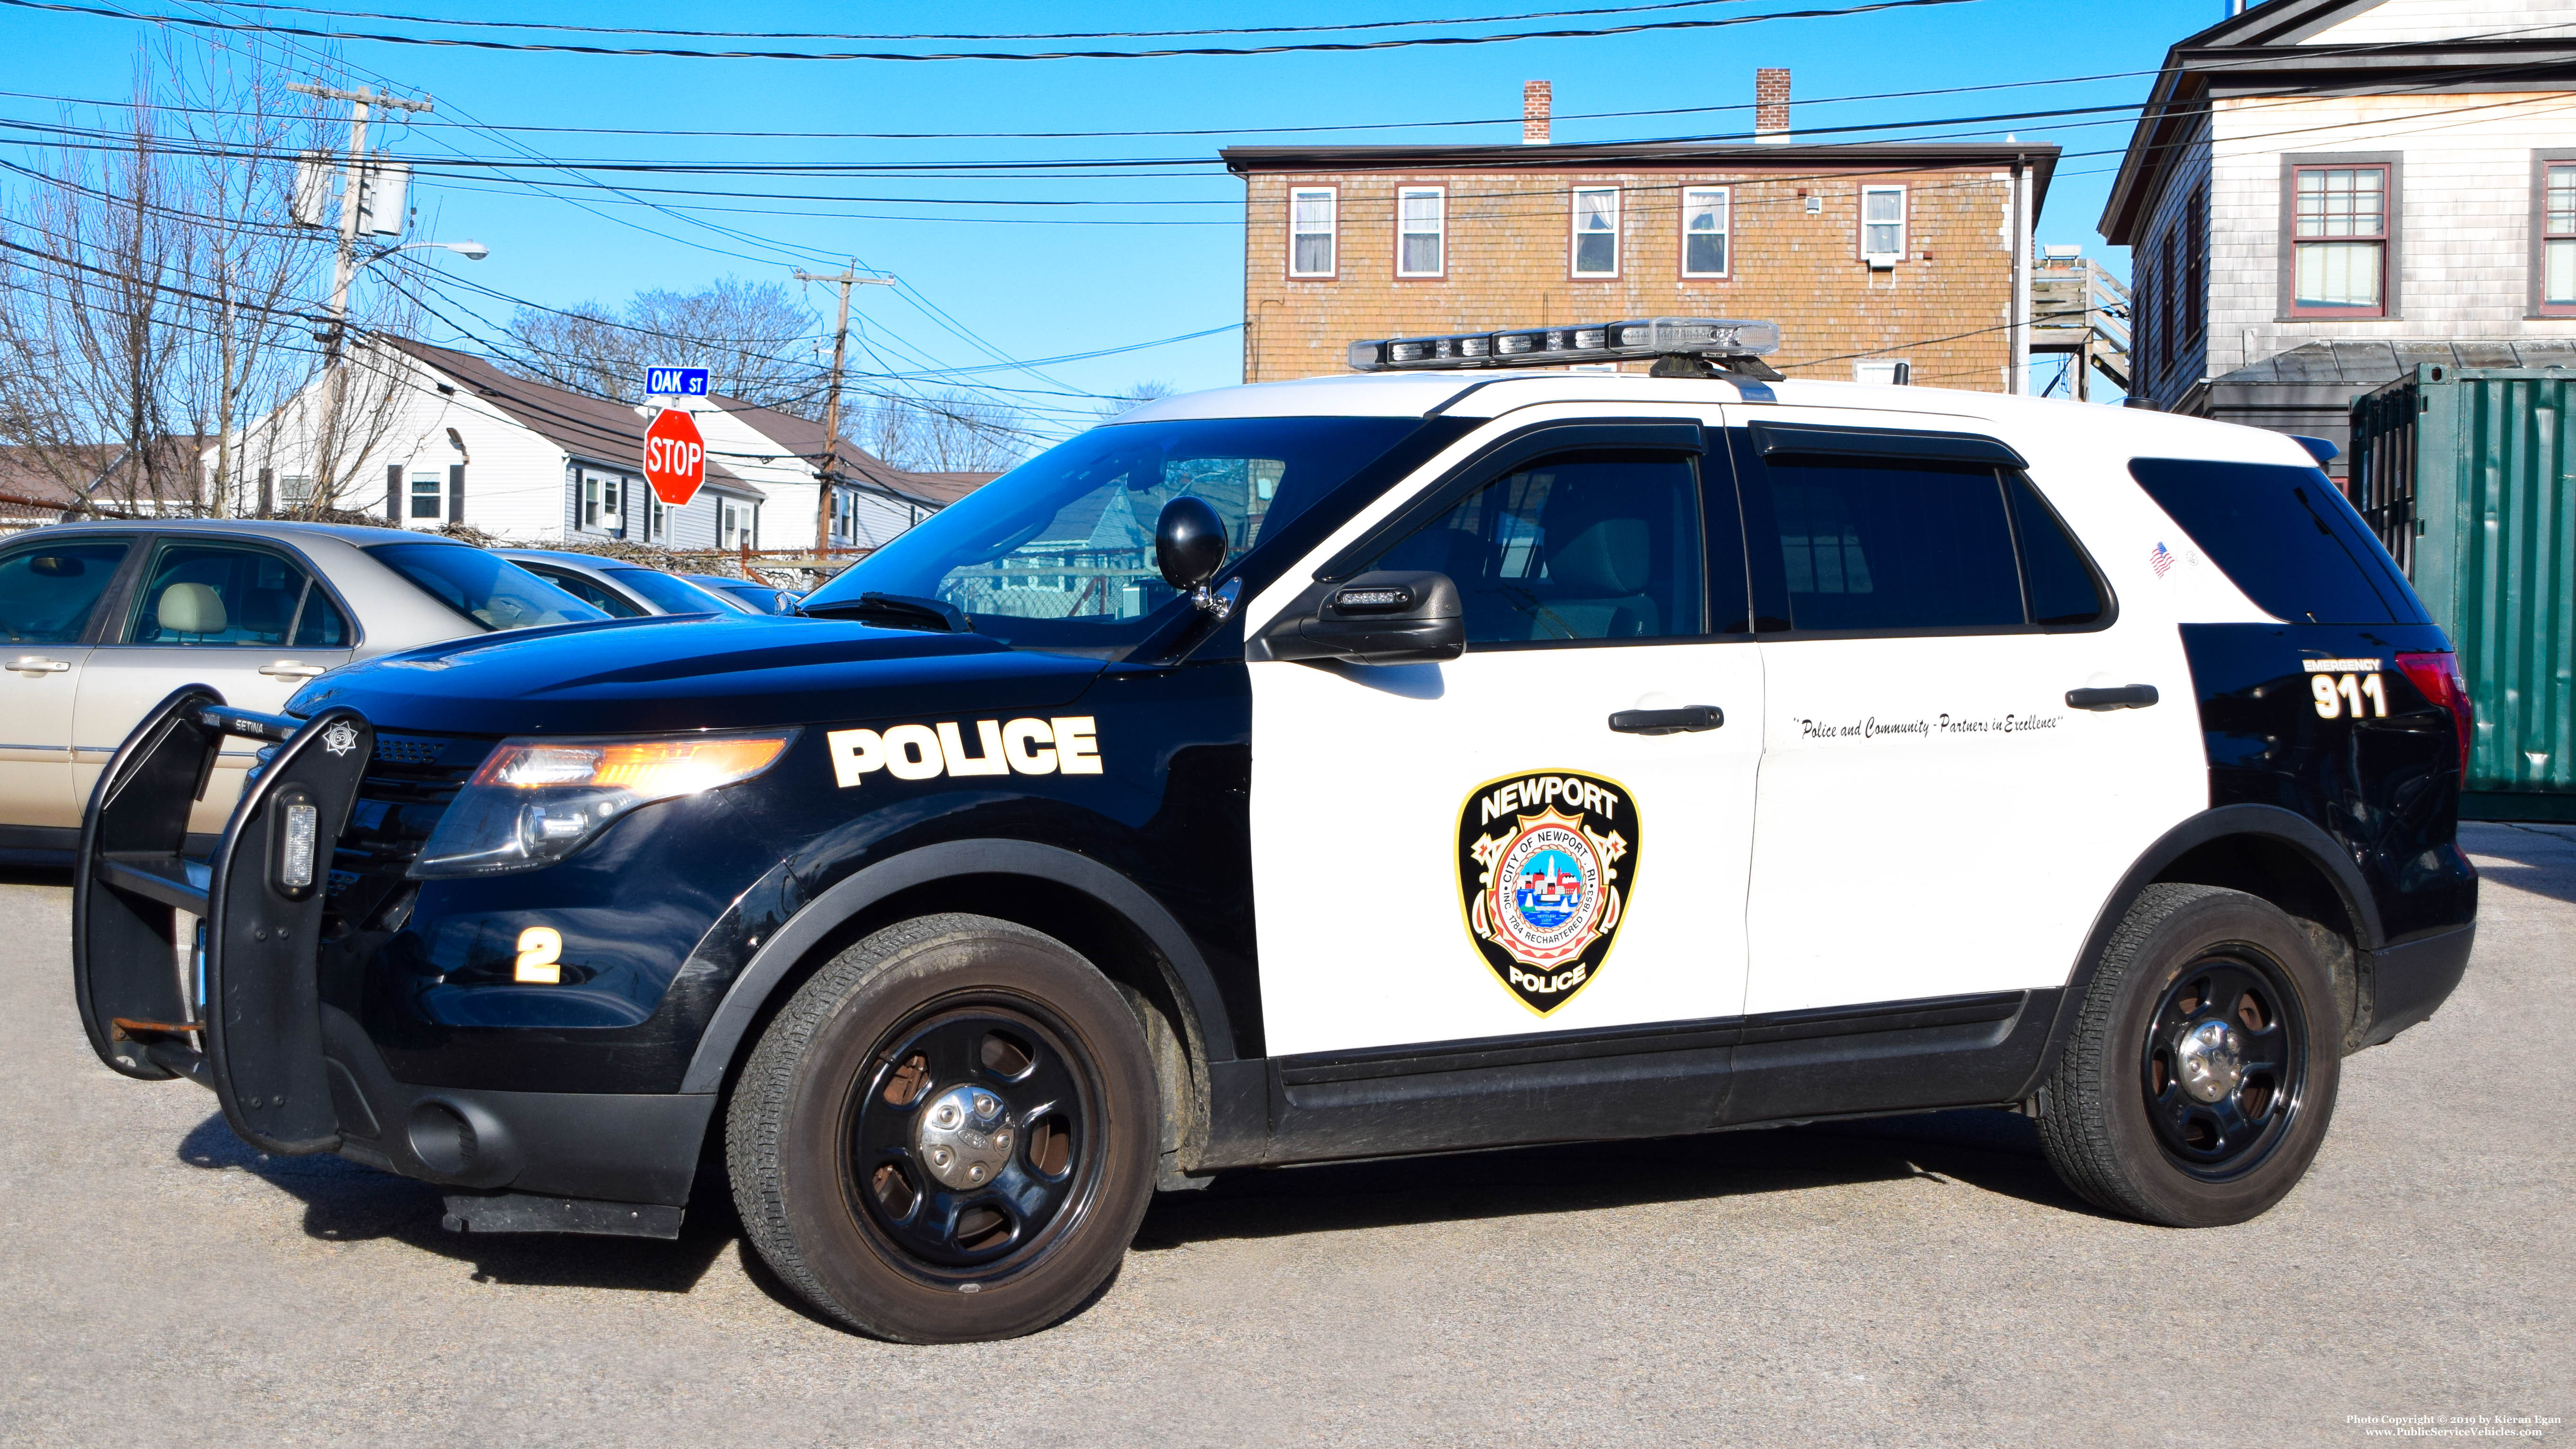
1883,259
586,501
1884,371
1438,230
436,494
1725,233
1574,233
1330,231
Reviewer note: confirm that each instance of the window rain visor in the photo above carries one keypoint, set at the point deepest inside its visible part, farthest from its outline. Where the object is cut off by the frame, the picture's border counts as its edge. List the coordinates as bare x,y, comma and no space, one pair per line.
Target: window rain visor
1058,553
536,801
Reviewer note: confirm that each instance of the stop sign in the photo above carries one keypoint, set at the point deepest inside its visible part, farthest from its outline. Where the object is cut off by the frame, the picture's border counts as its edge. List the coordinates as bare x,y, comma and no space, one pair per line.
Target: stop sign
675,457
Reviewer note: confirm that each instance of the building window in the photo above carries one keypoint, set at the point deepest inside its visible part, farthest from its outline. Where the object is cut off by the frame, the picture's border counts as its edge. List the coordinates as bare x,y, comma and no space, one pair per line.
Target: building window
1705,219
1882,225
1420,231
657,519
1310,231
295,490
729,529
2195,271
2340,231
2557,269
1596,231
1883,371
425,490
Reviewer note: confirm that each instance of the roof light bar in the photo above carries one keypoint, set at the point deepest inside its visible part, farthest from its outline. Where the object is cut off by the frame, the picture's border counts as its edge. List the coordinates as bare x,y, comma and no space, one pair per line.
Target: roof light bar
1721,339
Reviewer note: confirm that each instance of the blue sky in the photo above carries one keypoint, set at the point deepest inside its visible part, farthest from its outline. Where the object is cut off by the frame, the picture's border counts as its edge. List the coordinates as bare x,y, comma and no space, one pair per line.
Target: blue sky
1043,290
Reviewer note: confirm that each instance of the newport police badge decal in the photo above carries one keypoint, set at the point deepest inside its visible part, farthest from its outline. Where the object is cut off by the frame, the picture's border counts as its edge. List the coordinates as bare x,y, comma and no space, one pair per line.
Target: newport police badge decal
1546,862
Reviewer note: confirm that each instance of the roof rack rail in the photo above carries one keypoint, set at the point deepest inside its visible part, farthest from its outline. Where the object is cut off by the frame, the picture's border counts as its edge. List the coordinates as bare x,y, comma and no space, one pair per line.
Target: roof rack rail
1681,347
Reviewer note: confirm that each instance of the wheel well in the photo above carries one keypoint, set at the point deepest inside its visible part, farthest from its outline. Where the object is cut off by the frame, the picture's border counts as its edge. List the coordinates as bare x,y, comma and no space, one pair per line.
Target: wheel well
1080,920
2280,873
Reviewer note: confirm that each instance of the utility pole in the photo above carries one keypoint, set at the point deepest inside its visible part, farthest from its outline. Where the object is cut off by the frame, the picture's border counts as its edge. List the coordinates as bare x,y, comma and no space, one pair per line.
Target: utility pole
847,278
344,267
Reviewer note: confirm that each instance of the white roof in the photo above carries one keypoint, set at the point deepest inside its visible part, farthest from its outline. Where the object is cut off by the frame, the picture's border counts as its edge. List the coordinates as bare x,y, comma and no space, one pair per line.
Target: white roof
1490,393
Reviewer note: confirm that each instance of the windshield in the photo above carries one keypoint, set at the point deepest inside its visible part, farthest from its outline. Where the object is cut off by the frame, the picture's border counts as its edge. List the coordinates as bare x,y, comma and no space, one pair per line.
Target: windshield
1058,553
492,592
674,595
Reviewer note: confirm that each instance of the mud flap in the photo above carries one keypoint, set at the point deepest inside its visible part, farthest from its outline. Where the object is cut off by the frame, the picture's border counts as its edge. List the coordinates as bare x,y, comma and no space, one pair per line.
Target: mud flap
258,1024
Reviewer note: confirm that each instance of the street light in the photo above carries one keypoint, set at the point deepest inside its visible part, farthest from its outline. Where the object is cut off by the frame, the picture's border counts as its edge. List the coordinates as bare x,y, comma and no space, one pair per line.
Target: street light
472,251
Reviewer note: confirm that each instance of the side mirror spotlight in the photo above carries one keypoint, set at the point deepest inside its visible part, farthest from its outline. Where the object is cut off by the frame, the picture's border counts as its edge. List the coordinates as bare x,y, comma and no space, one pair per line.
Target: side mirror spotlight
1189,547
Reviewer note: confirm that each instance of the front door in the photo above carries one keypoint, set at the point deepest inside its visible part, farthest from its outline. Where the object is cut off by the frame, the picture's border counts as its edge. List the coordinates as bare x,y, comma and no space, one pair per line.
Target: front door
1936,817
49,589
1496,846
250,621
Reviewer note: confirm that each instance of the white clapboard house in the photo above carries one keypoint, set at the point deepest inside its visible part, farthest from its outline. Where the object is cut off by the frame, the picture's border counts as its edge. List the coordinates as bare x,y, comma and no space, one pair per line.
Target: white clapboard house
2322,193
446,437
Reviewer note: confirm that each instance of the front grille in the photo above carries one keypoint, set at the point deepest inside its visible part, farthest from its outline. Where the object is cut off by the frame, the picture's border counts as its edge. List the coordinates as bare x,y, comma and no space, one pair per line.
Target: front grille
406,789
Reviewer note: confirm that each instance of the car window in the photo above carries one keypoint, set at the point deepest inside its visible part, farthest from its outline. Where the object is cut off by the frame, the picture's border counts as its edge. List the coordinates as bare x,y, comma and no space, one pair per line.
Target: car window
2286,536
48,592
493,592
2062,589
1579,546
202,595
1893,545
1058,553
321,625
587,589
675,595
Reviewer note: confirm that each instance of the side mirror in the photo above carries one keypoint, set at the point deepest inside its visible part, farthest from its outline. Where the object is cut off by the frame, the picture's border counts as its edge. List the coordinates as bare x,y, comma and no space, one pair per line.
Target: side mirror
1189,543
1384,617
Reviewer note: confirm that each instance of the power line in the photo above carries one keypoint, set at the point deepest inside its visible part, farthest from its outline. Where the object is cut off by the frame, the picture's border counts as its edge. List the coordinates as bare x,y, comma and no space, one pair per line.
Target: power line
556,28
669,52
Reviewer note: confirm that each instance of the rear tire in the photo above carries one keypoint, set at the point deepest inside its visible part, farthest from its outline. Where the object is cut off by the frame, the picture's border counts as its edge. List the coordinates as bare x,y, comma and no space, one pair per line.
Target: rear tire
949,1134
2201,1075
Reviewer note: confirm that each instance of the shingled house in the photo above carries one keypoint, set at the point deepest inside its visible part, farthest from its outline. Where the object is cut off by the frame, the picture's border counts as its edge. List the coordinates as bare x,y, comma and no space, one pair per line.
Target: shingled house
2321,193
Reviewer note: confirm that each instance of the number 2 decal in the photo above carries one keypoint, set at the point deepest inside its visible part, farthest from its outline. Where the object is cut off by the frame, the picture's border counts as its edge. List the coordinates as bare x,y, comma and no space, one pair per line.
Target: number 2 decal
540,949
2361,693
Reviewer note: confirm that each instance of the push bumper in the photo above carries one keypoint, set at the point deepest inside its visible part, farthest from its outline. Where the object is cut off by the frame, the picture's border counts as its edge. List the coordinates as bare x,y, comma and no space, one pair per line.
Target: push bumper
238,1009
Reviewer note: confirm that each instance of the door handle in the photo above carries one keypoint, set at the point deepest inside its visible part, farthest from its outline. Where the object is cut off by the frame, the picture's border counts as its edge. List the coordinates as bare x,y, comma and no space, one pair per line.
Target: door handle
1688,719
2127,696
32,665
289,669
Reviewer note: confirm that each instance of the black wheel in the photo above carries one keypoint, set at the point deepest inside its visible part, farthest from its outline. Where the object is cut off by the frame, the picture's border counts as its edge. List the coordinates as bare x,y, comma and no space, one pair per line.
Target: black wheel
949,1134
2202,1071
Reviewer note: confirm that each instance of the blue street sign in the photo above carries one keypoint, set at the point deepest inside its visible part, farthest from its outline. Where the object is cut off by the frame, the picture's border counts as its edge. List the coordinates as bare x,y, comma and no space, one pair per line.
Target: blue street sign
675,381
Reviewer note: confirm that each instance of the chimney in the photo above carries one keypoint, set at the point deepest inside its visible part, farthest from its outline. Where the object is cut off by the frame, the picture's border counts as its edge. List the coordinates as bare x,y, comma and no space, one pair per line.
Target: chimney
1771,104
1534,108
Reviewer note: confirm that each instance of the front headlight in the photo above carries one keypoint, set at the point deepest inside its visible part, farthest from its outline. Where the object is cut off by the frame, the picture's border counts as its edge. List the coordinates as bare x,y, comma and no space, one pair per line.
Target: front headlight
536,801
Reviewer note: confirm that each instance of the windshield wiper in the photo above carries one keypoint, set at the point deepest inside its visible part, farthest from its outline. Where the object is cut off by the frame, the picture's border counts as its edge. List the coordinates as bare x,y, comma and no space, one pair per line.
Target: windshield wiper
903,611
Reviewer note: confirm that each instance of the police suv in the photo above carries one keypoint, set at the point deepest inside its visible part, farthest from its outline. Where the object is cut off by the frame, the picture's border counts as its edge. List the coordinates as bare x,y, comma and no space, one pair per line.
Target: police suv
1450,757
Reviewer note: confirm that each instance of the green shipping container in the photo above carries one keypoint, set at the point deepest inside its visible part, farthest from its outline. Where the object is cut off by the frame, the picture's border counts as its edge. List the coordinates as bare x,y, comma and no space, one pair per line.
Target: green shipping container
2469,475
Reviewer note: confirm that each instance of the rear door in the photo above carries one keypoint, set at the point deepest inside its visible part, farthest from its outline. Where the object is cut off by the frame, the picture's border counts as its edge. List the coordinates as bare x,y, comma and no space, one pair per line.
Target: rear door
1482,847
1936,817
50,592
249,619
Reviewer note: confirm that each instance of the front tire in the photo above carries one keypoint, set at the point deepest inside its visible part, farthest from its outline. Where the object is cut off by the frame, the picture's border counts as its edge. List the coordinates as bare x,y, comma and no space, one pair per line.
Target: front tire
949,1133
2201,1075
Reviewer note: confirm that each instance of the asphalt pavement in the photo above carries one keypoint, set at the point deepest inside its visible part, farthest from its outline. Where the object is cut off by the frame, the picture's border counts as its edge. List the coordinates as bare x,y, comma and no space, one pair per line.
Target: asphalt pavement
1913,1281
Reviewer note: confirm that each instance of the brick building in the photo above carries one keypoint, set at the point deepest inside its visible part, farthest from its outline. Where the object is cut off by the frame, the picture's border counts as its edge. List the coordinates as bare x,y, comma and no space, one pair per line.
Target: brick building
1866,255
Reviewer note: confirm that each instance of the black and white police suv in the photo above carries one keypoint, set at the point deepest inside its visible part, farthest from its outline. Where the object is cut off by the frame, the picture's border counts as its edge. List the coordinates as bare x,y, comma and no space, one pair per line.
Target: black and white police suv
1444,758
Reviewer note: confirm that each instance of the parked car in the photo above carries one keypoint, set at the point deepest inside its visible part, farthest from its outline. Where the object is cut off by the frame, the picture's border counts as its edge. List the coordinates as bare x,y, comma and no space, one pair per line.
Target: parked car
1675,754
619,589
98,621
765,598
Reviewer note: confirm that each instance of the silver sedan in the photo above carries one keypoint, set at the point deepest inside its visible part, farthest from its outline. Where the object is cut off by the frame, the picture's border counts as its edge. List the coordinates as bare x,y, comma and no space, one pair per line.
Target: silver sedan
99,621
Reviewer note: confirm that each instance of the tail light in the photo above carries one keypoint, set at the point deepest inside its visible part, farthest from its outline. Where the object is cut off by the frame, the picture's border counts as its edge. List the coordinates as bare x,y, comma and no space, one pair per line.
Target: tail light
2438,675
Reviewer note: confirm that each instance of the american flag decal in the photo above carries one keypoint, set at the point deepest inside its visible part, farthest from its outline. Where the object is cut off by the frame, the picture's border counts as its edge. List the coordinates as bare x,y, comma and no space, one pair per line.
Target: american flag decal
2161,560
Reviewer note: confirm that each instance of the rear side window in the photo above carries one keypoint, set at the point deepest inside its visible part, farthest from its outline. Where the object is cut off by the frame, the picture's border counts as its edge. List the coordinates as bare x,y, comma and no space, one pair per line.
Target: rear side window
679,596
48,592
2061,586
1887,546
2286,536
